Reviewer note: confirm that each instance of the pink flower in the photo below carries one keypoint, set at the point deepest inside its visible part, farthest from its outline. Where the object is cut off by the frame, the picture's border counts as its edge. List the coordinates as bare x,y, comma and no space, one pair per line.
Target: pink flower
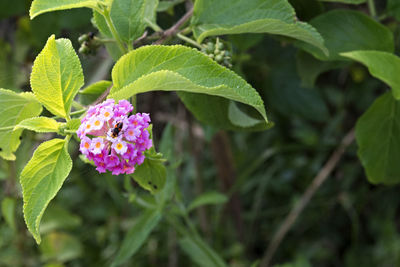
112,139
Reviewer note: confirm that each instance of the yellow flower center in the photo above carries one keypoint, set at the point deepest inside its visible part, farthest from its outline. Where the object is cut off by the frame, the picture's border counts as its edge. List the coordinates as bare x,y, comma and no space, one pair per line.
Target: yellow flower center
86,145
106,114
98,145
97,123
88,126
119,146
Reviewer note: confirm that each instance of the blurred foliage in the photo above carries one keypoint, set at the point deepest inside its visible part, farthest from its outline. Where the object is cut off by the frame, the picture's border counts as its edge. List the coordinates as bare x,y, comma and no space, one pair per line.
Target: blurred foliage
349,222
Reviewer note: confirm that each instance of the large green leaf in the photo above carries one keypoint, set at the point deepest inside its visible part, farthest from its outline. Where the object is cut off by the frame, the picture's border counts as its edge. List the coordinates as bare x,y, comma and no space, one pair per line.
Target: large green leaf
41,179
202,254
13,109
382,65
347,30
41,6
129,17
251,16
57,76
137,235
378,138
39,124
179,68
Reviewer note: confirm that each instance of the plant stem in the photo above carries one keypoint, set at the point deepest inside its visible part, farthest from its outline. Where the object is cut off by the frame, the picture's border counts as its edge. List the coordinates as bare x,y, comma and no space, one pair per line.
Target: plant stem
70,131
318,180
188,40
175,28
114,32
371,7
153,25
77,105
77,112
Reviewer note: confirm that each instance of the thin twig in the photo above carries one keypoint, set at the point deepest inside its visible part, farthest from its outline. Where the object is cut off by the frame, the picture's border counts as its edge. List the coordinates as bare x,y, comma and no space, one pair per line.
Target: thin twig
291,218
175,28
102,96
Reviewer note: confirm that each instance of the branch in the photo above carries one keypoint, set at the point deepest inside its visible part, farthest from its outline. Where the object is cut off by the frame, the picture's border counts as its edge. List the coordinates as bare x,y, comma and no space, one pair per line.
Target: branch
102,96
175,28
291,218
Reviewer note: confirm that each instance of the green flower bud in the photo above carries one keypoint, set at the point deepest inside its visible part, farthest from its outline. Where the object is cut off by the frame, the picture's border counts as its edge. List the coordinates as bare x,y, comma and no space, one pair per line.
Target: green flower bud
82,38
218,58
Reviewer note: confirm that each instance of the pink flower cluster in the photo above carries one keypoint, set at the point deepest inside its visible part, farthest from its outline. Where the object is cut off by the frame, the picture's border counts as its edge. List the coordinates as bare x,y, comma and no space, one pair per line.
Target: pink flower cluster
114,141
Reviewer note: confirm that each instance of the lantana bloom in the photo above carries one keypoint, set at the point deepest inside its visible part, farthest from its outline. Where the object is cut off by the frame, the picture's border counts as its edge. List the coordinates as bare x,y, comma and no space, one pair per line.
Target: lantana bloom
113,140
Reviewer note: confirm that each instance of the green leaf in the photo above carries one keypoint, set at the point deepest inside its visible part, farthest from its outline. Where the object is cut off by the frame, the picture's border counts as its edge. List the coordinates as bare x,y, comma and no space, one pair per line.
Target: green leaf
251,16
352,2
39,124
378,138
57,76
128,17
8,211
93,91
150,175
42,6
382,65
137,235
13,109
200,252
179,68
364,33
209,198
41,179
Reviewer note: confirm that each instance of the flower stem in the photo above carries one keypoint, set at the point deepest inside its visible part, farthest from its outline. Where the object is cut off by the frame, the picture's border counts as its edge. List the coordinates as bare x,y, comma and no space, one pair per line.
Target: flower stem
371,7
188,40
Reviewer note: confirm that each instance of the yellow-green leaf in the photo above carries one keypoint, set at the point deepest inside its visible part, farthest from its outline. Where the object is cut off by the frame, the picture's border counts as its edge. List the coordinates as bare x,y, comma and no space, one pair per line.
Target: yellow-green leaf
41,179
57,76
13,109
39,124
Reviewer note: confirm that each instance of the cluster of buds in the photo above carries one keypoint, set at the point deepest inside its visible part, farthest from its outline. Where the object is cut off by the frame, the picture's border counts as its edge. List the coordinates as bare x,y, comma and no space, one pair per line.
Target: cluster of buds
89,43
216,50
113,140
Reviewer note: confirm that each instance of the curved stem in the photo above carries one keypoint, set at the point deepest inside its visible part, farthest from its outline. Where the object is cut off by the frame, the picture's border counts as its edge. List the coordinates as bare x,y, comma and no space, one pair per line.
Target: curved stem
188,40
114,32
371,7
